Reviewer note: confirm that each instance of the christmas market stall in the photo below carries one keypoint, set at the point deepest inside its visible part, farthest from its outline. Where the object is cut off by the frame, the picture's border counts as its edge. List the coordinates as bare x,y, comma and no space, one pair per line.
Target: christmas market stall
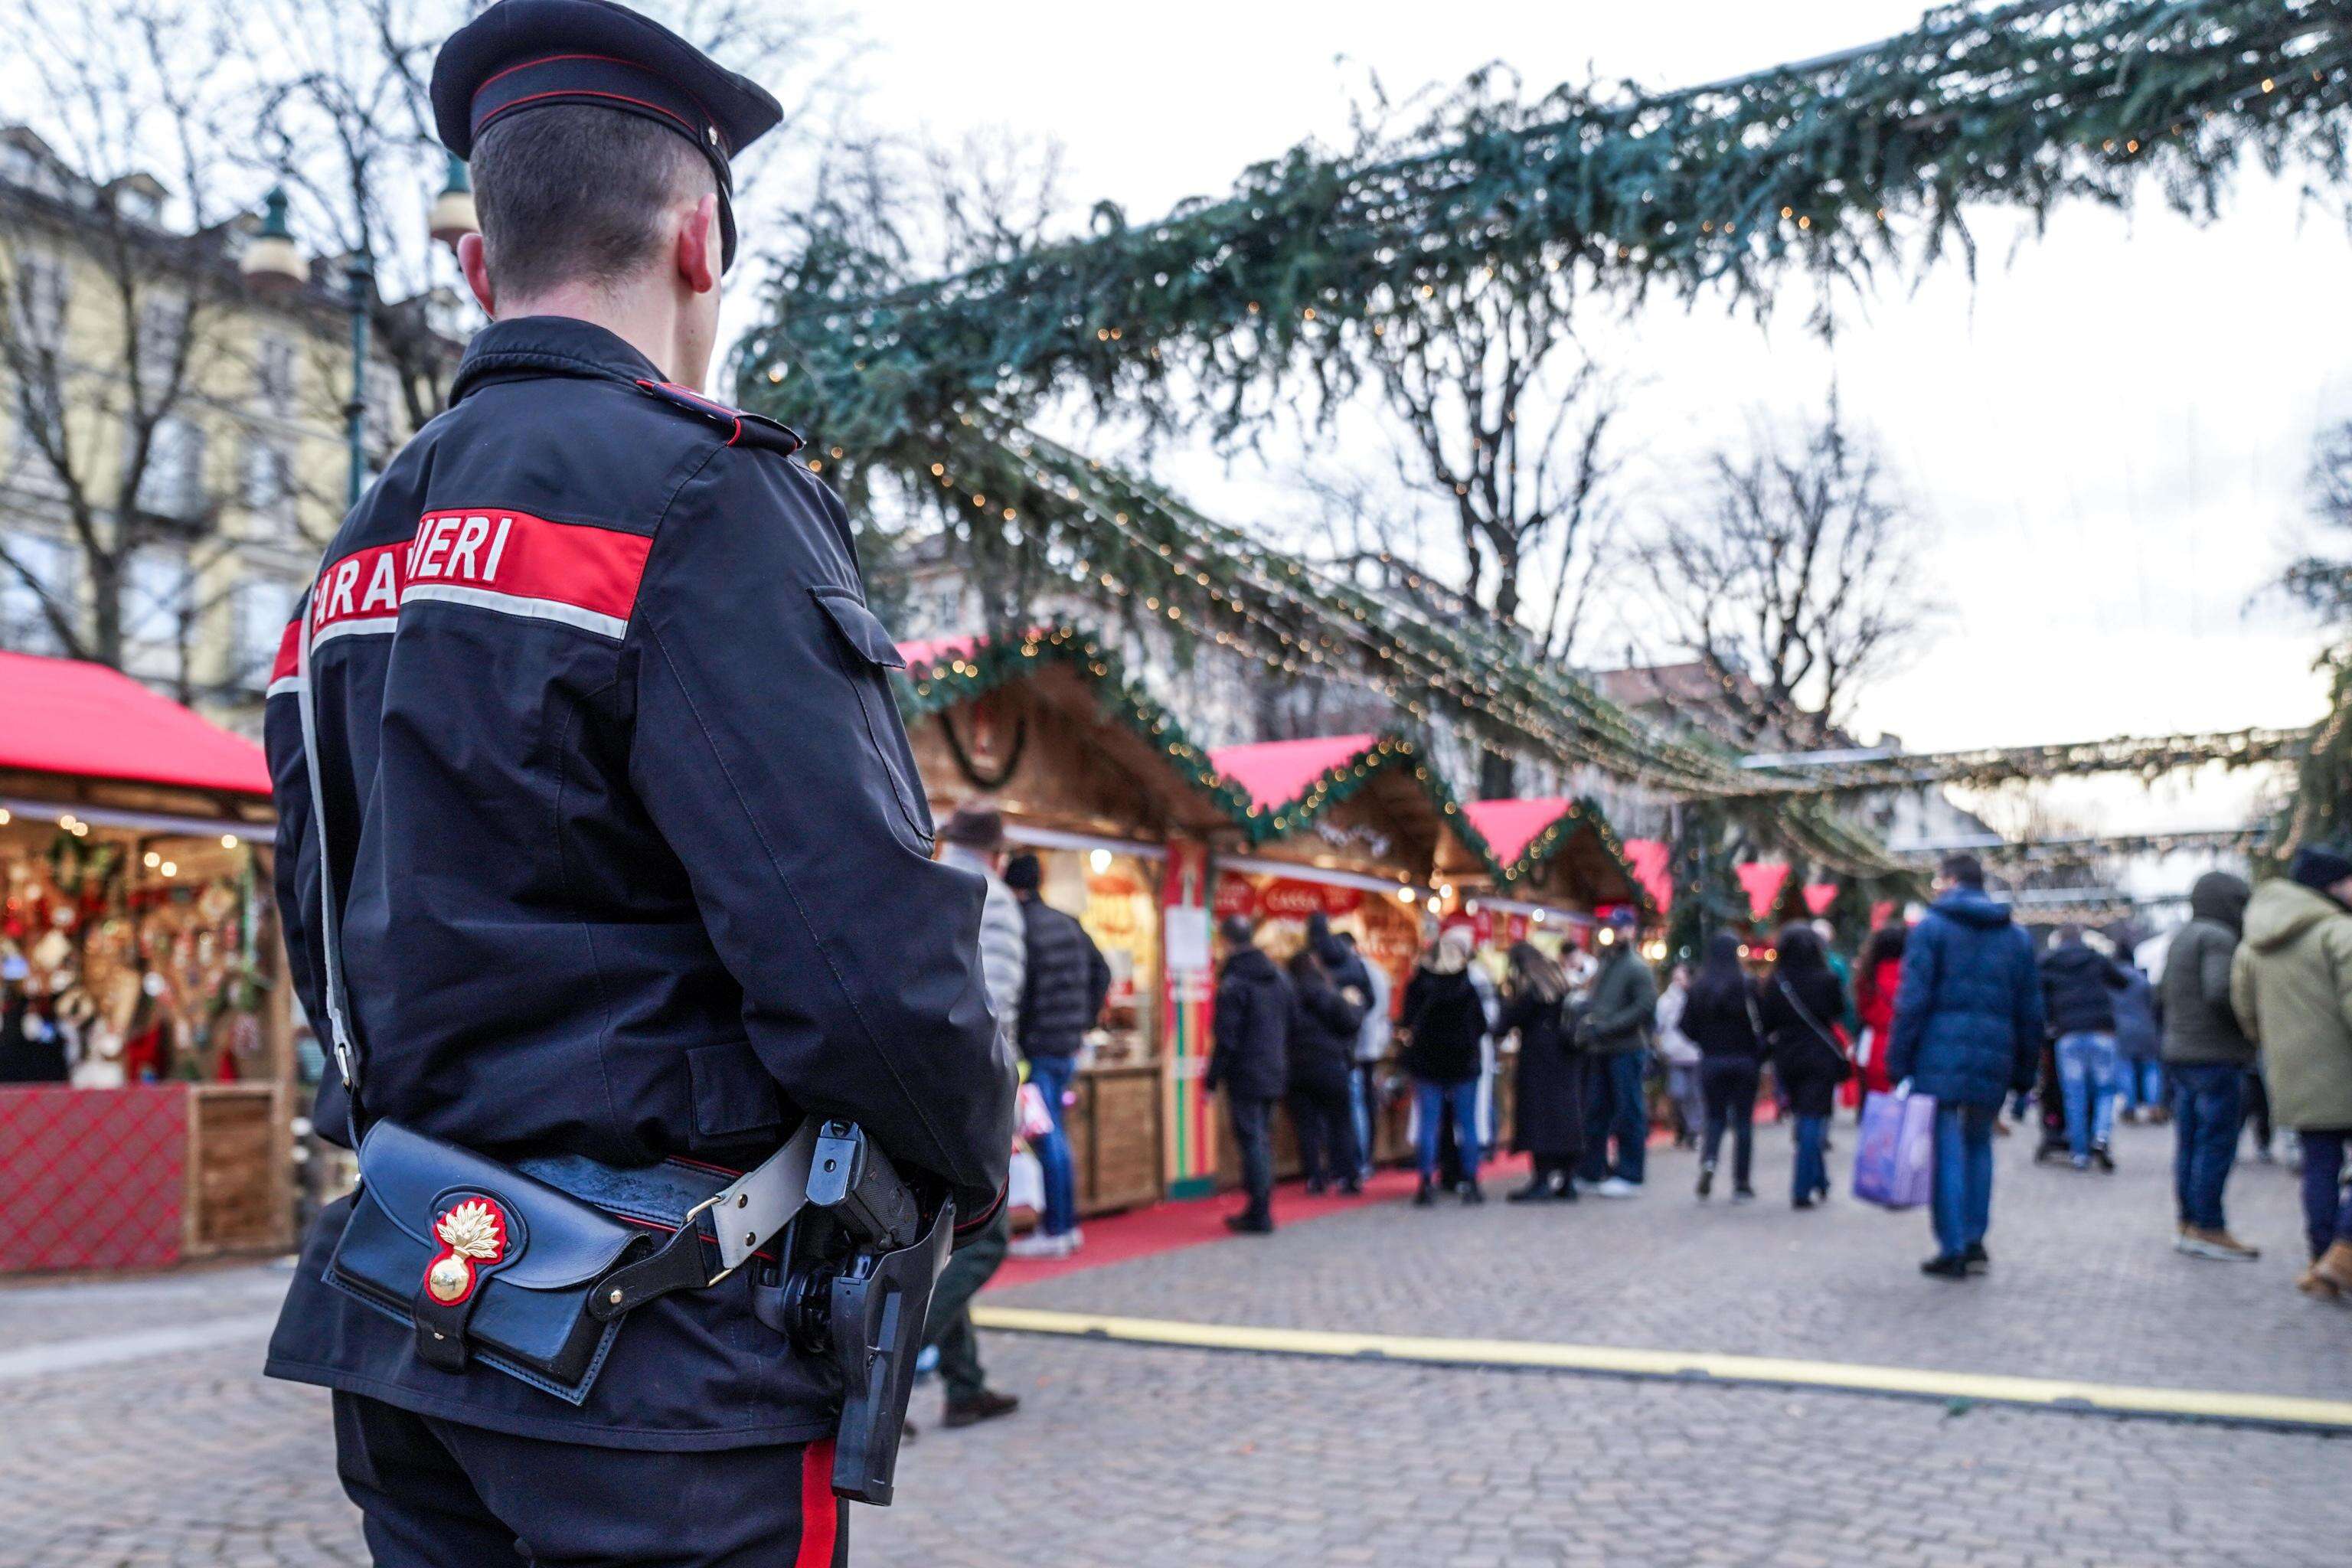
1559,863
146,1053
1361,830
1098,782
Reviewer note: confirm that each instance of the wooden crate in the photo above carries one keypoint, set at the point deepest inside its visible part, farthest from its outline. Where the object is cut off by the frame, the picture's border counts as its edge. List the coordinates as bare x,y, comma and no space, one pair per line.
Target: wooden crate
239,1190
1115,1137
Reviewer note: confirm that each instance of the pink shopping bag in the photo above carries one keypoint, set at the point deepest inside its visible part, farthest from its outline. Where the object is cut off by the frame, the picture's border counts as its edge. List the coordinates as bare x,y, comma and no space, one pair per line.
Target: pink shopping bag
1895,1162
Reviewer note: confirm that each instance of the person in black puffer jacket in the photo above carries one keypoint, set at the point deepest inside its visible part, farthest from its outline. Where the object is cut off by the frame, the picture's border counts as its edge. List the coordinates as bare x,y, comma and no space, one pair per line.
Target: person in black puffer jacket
1250,1061
1323,1026
1446,1022
2078,990
1065,982
1720,1018
1799,1007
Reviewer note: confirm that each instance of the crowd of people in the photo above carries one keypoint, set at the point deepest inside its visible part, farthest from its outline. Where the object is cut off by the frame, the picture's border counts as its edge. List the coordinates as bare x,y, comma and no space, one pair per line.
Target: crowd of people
2253,1013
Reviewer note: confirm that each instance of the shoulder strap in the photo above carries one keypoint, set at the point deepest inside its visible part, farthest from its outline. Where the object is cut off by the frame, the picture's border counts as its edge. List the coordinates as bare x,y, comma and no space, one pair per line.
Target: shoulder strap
1805,1011
330,923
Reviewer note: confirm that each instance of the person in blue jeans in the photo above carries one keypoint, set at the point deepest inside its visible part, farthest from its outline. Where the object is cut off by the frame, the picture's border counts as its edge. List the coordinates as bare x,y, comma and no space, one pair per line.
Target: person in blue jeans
1613,1033
1445,1021
1066,980
2207,1056
2079,987
2088,1079
2209,1111
1967,1030
1799,1006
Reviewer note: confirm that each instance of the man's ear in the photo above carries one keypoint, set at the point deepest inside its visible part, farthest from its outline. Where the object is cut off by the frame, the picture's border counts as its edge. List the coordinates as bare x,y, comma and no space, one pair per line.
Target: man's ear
699,246
472,258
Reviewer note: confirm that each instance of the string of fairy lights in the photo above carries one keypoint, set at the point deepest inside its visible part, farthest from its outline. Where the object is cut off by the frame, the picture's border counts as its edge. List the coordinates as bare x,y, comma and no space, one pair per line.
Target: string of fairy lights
963,675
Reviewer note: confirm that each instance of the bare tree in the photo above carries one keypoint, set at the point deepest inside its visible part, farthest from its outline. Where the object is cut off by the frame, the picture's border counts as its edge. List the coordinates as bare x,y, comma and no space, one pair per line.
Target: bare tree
118,286
1795,583
2318,579
1505,497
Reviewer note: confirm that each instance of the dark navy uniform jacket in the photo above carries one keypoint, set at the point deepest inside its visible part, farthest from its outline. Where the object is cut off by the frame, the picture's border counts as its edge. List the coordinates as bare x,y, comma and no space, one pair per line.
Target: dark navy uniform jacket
633,857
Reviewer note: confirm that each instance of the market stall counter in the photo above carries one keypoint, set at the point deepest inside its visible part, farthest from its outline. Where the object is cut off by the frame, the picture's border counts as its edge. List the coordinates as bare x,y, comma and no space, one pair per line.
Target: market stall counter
146,1045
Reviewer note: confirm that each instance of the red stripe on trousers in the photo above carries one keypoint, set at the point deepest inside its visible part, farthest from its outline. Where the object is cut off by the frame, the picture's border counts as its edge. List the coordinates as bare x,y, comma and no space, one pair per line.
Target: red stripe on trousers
820,1510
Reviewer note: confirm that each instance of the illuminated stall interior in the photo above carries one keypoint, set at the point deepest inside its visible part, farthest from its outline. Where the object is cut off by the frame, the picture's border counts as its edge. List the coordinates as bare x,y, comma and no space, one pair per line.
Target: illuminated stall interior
139,934
1095,779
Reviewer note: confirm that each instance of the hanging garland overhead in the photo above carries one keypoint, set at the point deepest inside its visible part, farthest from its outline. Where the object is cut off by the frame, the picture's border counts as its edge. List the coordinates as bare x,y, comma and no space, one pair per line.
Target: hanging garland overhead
1844,166
1839,167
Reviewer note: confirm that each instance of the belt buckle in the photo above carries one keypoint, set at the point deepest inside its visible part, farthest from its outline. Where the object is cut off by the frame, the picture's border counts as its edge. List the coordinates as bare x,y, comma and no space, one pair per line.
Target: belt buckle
687,1224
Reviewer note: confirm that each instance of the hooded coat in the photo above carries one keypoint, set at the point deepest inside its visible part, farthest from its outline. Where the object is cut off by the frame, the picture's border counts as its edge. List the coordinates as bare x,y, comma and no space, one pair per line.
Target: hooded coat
2199,1024
2078,988
1250,1056
1324,1023
2291,983
1968,1020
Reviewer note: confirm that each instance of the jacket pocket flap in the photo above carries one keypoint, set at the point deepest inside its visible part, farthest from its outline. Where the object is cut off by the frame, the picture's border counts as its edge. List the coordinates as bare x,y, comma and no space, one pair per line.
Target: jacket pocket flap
562,1241
734,1097
859,627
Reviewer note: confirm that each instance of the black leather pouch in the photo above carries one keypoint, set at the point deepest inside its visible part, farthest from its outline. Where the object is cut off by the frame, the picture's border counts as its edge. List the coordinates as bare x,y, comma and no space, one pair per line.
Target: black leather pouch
482,1262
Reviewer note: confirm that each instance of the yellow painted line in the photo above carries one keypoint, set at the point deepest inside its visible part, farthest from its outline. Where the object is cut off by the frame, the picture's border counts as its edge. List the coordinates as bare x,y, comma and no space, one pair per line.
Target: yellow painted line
1620,1361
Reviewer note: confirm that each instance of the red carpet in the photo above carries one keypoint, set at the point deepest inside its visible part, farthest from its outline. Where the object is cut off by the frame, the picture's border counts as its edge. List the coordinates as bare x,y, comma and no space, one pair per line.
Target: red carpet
1172,1226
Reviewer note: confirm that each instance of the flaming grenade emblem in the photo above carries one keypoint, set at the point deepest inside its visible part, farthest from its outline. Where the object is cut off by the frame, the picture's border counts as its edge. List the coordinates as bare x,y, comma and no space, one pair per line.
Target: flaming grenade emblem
471,1232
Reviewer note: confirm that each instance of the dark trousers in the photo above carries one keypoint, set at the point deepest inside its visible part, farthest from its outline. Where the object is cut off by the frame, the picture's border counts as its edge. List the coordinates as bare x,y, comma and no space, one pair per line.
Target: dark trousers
1254,1132
949,1323
1326,1125
2326,1212
1728,1087
1614,1109
1810,1176
434,1494
2258,1109
2209,1108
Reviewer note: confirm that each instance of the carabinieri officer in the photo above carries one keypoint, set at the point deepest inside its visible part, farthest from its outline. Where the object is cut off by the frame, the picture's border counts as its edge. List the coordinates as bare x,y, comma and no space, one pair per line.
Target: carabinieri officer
627,859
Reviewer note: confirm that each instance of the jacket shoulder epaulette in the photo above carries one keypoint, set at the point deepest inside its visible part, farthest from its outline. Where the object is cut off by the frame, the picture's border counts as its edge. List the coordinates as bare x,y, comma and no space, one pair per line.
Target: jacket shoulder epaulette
744,428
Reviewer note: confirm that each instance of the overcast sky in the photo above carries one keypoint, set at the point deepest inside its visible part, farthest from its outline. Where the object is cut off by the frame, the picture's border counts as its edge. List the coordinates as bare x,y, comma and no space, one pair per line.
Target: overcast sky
2110,430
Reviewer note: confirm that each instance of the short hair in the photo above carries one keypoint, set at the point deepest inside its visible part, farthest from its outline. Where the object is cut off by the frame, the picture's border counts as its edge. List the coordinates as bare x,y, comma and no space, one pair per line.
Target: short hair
573,194
1965,869
1237,930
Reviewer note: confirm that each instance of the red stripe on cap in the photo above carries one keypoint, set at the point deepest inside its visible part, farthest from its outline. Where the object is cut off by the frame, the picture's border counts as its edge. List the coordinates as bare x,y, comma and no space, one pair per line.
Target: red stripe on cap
820,1510
669,114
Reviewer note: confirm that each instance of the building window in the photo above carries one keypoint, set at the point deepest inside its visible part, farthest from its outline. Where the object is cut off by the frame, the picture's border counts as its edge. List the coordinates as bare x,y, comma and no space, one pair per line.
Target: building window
172,483
24,628
163,324
263,606
38,298
268,489
273,373
158,602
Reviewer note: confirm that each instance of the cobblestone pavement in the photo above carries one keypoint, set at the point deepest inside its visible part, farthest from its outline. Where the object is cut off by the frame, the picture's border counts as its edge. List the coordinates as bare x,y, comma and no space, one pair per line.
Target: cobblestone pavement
1138,1457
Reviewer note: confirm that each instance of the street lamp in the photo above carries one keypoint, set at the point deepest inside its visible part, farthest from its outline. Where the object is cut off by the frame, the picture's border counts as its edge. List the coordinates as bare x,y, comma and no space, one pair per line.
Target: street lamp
270,259
453,210
271,263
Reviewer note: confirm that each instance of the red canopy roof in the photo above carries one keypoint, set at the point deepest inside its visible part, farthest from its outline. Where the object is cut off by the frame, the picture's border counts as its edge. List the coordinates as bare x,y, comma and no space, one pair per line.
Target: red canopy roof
1648,858
1276,772
1509,827
63,716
